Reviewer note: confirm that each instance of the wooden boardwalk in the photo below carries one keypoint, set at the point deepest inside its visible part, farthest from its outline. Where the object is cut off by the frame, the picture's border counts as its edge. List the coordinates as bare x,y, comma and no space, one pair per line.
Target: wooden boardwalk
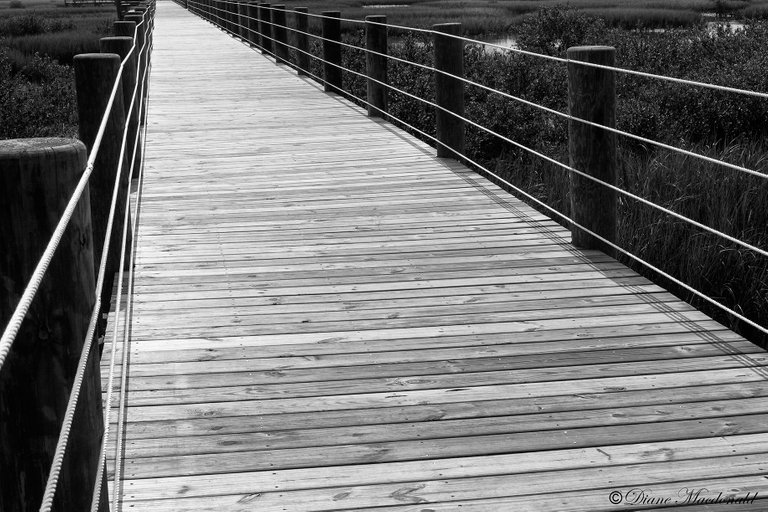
327,317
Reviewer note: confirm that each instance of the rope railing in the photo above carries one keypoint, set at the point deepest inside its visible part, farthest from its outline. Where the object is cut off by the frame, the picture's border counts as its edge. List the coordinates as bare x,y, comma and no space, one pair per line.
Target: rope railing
53,479
115,330
237,26
139,50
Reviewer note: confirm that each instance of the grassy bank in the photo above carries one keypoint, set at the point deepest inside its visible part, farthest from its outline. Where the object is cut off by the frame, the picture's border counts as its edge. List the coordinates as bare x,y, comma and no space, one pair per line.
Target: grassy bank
37,43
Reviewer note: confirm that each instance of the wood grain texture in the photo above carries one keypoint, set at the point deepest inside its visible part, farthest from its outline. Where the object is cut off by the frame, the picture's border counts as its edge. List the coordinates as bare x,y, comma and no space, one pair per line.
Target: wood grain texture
328,317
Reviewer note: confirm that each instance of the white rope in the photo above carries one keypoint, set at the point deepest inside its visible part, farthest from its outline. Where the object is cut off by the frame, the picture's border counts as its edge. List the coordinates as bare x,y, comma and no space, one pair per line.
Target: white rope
61,445
110,383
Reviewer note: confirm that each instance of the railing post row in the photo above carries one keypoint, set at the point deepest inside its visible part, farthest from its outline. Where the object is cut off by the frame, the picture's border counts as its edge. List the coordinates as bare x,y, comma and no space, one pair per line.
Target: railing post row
302,41
592,150
449,91
38,179
332,51
376,65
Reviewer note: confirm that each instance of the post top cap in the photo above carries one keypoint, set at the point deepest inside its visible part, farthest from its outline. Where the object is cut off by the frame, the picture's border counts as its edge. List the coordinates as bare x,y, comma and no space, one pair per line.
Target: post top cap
453,28
593,48
18,149
97,56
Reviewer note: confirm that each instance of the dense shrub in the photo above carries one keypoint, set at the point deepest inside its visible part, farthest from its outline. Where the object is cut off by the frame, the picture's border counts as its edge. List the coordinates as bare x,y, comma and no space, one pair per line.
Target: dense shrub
37,101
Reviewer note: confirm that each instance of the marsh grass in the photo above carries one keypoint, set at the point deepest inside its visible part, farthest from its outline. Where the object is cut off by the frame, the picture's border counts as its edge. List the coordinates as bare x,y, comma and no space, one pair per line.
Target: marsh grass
494,17
59,37
758,11
59,46
37,45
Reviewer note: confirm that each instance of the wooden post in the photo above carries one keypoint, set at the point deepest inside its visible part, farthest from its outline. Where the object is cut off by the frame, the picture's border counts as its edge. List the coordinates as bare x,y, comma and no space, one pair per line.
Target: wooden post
232,17
37,179
302,41
281,36
332,51
142,59
95,75
592,150
449,91
124,28
376,65
228,15
242,21
265,28
122,46
253,23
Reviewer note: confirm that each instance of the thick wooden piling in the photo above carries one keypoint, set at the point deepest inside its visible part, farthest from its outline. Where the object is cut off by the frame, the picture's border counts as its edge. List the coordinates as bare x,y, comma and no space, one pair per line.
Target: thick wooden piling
376,65
37,179
281,35
142,57
95,75
332,51
242,20
302,41
252,12
449,91
592,150
124,28
122,46
265,28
